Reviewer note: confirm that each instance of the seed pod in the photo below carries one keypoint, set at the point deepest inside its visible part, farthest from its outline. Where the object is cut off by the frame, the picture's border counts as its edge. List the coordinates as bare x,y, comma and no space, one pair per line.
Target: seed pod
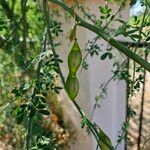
72,86
74,59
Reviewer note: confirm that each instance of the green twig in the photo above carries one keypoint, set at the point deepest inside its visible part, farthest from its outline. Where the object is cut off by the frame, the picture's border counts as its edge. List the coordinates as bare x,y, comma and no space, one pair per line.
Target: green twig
25,27
99,31
47,19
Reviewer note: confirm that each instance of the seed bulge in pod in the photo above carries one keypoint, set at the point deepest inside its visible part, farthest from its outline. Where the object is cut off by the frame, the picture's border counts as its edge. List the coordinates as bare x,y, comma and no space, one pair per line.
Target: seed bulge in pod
72,87
74,58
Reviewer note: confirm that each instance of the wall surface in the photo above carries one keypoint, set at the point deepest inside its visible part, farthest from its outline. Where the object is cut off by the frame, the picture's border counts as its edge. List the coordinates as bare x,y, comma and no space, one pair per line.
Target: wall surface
111,114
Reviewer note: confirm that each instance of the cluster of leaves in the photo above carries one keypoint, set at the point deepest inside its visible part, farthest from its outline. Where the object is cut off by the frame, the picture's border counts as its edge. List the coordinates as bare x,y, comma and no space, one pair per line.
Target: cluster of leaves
20,40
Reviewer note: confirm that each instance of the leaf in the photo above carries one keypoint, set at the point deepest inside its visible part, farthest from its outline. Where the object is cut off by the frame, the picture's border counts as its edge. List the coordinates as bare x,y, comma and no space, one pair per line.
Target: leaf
40,97
19,113
121,30
106,143
28,63
41,106
57,89
110,55
104,56
32,113
102,9
83,122
121,21
108,15
109,10
103,17
19,118
148,39
97,98
136,36
44,112
131,31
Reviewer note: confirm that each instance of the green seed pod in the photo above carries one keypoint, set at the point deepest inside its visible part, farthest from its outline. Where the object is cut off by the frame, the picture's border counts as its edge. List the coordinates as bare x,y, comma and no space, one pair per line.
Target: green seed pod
74,59
72,86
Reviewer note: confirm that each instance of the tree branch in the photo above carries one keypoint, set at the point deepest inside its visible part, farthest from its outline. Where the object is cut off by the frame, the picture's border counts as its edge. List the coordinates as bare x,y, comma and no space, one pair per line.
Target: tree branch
99,31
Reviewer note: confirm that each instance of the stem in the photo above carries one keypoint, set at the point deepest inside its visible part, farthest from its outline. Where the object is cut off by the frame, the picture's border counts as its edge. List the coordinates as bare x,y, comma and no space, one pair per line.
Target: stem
87,54
84,12
95,105
127,98
142,108
97,133
46,14
92,128
99,31
25,27
137,45
111,19
105,86
94,134
145,142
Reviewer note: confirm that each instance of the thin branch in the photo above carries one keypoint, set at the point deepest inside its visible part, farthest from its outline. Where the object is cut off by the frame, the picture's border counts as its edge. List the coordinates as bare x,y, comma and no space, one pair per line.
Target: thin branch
25,27
84,12
92,127
145,142
142,107
136,47
87,54
114,16
1,90
99,31
105,86
46,14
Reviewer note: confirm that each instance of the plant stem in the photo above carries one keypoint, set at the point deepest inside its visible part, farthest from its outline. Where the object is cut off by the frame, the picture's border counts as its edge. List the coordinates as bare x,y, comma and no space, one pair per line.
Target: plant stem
46,14
142,108
99,31
91,127
135,50
25,27
111,19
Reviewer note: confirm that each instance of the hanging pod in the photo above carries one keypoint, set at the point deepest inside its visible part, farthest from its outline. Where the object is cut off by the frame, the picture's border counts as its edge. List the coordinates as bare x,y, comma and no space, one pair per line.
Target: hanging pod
74,61
72,87
74,58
